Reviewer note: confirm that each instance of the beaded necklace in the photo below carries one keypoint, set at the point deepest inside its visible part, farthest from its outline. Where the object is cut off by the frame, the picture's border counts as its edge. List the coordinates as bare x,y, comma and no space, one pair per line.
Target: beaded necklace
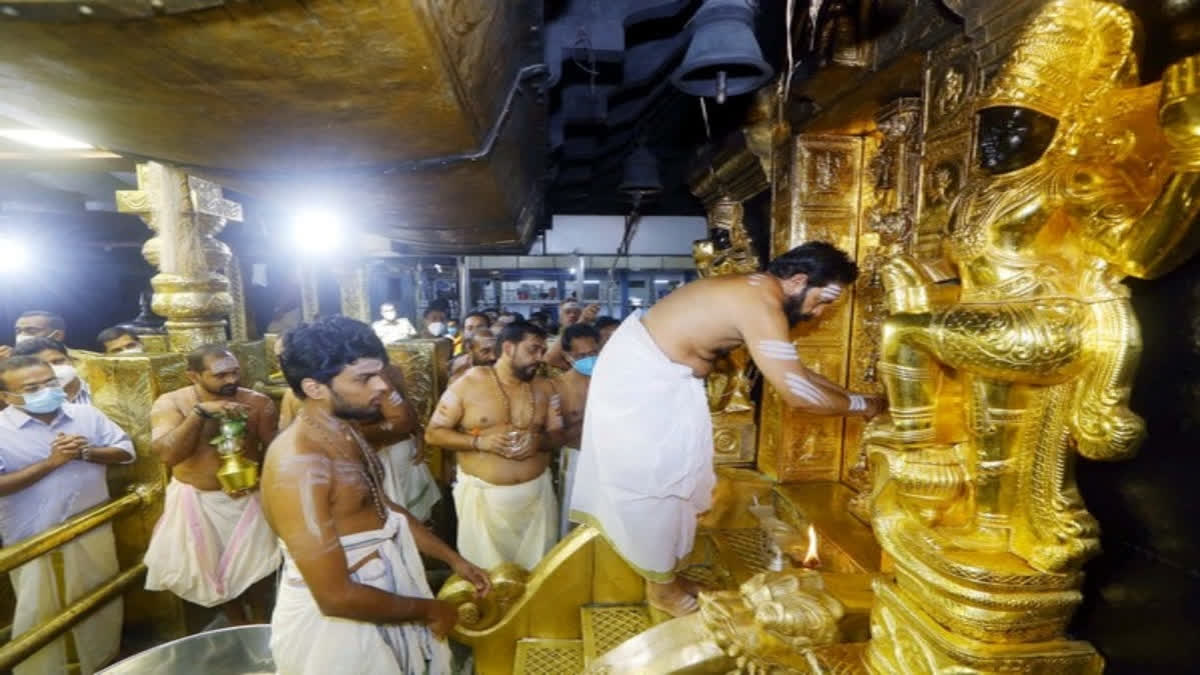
371,470
508,404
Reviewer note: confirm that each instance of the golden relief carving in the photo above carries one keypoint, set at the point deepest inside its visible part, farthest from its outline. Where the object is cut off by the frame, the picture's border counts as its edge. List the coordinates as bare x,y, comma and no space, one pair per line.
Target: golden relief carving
993,384
185,213
729,251
352,284
425,364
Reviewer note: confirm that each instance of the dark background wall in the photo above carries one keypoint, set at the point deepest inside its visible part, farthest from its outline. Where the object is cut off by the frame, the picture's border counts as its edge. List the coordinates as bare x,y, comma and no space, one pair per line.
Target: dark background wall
1142,595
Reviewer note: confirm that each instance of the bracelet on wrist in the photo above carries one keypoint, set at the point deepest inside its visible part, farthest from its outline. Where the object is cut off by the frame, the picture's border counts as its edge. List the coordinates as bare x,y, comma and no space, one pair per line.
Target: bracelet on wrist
86,454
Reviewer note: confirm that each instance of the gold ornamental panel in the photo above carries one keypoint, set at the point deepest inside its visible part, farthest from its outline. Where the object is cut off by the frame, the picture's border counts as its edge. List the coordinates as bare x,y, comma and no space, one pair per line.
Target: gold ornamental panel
124,388
426,367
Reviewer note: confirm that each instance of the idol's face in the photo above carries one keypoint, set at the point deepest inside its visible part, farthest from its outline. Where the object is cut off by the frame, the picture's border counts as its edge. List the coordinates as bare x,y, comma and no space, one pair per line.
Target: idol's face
1012,138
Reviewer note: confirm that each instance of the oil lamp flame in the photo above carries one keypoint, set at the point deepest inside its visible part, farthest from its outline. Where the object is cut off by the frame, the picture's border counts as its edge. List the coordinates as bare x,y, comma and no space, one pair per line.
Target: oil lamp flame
812,560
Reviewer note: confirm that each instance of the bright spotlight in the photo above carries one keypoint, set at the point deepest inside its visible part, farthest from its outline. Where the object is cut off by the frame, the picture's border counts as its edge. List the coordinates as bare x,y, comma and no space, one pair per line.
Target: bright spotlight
16,255
317,231
43,139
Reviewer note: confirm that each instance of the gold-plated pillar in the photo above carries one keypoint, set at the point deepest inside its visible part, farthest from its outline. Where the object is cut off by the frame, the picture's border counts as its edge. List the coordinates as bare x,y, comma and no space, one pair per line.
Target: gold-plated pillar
818,190
352,284
729,251
185,213
239,325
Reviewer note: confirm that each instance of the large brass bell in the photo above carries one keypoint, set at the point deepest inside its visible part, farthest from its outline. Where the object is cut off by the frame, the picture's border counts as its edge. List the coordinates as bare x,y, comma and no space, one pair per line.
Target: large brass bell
723,58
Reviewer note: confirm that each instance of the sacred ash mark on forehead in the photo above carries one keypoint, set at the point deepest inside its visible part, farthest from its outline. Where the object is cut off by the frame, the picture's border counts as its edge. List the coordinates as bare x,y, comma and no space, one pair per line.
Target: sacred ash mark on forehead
831,292
224,365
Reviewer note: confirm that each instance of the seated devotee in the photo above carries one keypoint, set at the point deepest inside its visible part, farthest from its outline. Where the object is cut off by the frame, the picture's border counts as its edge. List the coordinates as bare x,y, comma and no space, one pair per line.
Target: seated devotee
502,422
353,597
119,340
392,328
645,469
581,346
481,351
53,458
55,354
433,322
211,548
606,326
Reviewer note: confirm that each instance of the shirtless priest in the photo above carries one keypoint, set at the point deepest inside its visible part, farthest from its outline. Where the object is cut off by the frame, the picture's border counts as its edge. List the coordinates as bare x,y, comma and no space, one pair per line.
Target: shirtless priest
353,597
645,469
503,422
208,547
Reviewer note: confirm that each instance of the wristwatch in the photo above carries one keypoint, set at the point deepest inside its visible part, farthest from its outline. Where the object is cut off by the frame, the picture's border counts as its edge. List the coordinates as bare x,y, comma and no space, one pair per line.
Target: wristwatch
86,453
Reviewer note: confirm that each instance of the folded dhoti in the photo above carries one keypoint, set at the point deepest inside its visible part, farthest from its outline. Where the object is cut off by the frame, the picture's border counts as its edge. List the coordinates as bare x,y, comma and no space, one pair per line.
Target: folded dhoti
568,465
306,642
409,484
645,466
45,586
505,523
208,547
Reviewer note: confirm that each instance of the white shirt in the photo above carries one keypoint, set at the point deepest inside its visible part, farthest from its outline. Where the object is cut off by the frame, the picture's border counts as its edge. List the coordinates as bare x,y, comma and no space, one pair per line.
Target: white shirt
394,331
73,487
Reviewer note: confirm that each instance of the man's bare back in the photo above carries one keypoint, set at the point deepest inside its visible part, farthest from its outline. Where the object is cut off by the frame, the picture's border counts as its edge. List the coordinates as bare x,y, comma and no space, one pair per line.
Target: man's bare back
201,461
475,405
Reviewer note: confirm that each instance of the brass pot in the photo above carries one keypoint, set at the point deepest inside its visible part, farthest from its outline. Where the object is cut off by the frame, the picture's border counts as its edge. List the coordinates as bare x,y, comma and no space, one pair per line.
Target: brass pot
237,474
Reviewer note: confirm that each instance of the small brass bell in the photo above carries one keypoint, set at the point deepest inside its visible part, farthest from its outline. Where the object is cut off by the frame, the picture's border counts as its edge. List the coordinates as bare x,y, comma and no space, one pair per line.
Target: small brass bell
723,58
640,178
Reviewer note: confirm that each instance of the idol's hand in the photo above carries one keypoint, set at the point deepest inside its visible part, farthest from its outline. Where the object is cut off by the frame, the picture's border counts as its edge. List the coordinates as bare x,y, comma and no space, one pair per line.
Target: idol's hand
478,578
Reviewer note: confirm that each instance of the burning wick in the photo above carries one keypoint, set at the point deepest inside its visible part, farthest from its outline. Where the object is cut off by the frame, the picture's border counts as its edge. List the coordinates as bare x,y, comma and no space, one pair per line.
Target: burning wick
811,559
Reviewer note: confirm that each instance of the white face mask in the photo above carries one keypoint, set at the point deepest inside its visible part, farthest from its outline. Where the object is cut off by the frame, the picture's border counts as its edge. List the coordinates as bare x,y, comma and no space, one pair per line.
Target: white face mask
388,316
133,349
65,373
436,328
23,338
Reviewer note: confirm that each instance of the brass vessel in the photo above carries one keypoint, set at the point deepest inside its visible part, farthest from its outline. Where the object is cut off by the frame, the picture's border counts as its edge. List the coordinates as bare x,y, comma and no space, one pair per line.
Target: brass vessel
237,474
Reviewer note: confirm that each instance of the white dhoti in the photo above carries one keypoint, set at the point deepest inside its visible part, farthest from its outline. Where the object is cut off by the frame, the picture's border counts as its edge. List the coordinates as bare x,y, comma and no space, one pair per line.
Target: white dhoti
409,484
505,523
208,547
645,466
306,642
568,465
45,586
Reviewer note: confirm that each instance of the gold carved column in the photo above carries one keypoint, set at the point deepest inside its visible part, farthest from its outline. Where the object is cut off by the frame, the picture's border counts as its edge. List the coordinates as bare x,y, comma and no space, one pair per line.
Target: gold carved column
310,299
185,213
818,197
729,251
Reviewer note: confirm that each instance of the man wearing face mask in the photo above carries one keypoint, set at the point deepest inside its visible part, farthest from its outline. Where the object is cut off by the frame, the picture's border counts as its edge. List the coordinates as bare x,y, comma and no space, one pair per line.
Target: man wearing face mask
53,458
435,322
502,423
581,346
36,323
54,354
392,328
481,351
645,466
116,341
211,548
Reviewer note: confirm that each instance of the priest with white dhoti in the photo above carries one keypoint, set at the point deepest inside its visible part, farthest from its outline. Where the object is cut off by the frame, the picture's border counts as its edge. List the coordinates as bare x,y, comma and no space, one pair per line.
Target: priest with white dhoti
503,422
645,470
53,458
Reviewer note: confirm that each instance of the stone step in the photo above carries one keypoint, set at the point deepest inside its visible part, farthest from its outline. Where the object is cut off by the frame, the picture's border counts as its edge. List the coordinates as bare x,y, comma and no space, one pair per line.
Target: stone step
540,656
606,626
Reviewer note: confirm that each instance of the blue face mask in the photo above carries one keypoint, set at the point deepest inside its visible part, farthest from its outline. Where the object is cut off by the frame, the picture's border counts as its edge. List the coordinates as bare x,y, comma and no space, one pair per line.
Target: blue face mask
452,330
585,365
44,401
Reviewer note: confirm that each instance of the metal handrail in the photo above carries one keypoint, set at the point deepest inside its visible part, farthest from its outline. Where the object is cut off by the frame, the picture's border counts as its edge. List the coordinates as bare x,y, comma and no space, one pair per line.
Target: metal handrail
25,550
27,643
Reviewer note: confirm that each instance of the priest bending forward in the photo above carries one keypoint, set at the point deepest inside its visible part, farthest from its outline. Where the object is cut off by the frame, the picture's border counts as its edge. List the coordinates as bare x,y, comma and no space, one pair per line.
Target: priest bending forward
645,469
353,597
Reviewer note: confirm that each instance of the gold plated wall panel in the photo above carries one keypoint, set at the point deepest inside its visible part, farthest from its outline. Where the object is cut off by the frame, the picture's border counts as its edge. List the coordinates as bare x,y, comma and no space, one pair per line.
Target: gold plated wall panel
818,186
426,367
125,388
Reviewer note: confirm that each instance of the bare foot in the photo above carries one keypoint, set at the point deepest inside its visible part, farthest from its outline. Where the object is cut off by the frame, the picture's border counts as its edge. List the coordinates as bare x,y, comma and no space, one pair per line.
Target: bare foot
671,598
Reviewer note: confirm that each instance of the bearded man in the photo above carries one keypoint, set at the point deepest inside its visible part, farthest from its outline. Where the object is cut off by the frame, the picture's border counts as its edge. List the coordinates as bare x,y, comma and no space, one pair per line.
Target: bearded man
503,422
645,467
